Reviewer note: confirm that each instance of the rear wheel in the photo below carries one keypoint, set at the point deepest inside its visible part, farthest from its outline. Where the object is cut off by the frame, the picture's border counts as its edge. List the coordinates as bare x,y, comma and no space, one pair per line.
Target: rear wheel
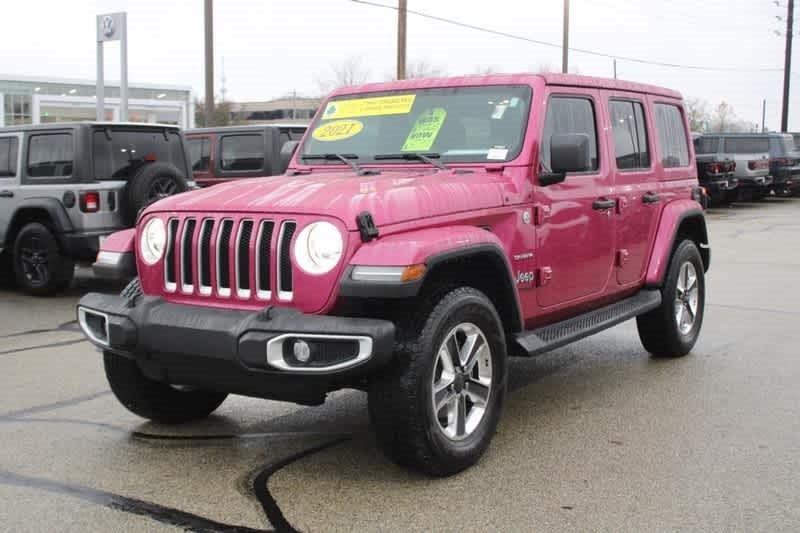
437,406
672,329
152,182
39,266
156,401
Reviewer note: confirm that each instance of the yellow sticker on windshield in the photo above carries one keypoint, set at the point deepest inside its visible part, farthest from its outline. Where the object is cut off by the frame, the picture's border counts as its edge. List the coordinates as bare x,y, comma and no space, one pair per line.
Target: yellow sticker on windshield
425,130
338,130
369,107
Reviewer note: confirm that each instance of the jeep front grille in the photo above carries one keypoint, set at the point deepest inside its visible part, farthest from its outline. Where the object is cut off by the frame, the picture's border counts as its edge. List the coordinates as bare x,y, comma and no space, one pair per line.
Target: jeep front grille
244,259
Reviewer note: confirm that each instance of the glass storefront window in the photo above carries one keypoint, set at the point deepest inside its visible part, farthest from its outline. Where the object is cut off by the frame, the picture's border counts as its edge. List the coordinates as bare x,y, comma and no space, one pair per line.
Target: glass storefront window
17,109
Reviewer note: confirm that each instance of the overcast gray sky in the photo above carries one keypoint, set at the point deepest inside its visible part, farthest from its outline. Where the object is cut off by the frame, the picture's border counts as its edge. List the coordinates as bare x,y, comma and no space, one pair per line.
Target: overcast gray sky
271,47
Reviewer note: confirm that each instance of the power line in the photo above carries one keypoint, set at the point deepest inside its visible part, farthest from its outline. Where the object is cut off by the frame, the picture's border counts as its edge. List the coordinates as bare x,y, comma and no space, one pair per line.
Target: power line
579,50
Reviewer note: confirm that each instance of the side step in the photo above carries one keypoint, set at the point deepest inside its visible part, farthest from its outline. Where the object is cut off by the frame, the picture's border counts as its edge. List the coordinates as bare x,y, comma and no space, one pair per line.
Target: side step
536,341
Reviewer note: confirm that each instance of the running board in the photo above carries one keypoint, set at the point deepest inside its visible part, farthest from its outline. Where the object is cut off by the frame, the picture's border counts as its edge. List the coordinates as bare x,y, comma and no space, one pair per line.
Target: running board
536,341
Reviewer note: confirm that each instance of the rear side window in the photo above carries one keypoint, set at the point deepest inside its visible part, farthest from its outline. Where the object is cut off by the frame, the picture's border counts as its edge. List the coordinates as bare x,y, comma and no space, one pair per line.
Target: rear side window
630,135
671,132
242,152
8,157
199,153
569,115
706,145
746,145
50,155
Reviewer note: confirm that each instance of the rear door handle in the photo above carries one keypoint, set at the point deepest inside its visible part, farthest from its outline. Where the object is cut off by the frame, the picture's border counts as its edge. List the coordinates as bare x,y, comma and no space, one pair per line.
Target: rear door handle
651,198
602,204
6,194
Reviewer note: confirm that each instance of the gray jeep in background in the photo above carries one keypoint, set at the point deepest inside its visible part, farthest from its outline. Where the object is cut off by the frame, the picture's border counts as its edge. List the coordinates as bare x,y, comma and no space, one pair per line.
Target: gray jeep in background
64,187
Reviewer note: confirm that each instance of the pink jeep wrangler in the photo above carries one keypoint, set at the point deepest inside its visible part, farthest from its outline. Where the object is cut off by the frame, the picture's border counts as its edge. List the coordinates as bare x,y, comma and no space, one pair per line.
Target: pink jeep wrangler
425,231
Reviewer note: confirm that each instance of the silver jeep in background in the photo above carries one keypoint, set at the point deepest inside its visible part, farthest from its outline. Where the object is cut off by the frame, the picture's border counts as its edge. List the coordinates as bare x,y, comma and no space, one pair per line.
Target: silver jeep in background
64,187
750,152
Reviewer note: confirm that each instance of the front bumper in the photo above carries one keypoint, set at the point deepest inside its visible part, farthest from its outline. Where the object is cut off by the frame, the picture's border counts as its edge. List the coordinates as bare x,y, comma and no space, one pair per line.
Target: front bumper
237,351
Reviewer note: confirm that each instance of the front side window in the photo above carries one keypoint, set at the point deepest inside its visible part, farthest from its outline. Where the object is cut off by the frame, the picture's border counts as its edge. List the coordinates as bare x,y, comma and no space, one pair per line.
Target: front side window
8,157
50,155
746,145
119,153
457,124
630,134
242,152
199,153
567,114
671,131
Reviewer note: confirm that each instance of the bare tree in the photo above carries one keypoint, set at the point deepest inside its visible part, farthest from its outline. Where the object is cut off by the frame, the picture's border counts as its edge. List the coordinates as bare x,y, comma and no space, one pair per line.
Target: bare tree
223,113
350,71
423,68
697,112
724,118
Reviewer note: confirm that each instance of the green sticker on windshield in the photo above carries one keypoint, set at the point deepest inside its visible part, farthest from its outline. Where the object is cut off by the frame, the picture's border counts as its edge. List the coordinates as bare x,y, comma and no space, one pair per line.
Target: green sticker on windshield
425,130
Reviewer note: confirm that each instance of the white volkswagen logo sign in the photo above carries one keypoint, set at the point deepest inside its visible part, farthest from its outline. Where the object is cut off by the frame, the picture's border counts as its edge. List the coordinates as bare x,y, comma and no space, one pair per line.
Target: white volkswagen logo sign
108,26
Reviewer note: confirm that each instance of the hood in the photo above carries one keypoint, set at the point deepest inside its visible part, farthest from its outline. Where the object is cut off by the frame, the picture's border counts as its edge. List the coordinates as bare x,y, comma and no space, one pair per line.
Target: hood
391,197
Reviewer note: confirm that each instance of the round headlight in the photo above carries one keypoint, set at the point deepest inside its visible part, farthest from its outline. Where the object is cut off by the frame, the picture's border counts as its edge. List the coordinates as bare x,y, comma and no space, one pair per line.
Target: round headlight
318,248
153,242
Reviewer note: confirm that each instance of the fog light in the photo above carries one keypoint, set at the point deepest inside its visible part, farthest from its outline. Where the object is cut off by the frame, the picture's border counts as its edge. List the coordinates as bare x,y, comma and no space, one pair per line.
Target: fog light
302,351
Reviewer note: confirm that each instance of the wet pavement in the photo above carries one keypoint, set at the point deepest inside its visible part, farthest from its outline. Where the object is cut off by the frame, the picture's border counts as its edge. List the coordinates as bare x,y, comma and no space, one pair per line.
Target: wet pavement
595,436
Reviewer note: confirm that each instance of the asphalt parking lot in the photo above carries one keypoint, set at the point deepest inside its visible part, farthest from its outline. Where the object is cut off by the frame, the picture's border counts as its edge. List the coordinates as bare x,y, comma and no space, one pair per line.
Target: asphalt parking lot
595,436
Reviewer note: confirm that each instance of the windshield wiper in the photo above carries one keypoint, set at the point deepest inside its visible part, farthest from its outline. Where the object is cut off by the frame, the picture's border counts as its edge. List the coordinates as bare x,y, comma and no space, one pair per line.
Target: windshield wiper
345,158
429,158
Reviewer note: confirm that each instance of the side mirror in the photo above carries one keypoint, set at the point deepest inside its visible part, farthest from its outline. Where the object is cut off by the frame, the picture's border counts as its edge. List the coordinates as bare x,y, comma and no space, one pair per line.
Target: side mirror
287,151
569,152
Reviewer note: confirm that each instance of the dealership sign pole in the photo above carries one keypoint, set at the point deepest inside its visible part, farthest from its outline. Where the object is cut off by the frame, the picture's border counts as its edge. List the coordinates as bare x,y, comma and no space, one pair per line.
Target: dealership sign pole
113,27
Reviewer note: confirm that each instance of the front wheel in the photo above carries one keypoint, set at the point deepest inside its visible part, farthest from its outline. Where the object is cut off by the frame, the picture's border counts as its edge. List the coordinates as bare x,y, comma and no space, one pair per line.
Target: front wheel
39,266
672,329
436,408
156,401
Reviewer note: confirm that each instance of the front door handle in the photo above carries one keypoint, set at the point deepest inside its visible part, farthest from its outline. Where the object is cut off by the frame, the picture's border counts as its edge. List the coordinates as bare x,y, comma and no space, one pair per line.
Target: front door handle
6,194
603,203
651,198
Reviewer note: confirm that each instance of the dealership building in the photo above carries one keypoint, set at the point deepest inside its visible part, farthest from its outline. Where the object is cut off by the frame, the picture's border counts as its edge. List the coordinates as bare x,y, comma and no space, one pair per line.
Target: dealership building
34,100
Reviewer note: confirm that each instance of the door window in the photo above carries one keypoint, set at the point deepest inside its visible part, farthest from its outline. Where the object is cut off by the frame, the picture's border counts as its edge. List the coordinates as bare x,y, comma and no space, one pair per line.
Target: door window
671,131
570,115
199,153
9,146
50,155
630,135
242,152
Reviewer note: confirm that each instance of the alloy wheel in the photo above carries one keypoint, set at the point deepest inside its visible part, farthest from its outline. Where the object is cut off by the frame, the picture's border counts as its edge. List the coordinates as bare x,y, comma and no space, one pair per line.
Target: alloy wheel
686,298
462,381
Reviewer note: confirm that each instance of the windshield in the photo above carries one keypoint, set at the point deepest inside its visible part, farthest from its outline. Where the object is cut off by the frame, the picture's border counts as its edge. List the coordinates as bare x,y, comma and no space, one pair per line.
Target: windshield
118,154
461,125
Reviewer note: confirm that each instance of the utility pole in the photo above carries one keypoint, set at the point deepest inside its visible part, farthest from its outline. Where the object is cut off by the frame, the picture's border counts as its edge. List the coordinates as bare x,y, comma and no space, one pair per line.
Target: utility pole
615,68
402,14
787,67
763,116
565,46
209,58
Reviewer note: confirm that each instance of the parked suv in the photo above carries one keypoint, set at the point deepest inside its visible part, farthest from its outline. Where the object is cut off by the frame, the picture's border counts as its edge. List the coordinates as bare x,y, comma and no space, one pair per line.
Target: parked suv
784,164
716,172
222,154
749,152
425,231
64,187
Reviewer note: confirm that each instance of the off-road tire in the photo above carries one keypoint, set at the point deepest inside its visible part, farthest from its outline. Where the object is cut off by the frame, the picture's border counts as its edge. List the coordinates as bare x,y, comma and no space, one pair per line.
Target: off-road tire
156,401
140,188
400,401
658,329
57,270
